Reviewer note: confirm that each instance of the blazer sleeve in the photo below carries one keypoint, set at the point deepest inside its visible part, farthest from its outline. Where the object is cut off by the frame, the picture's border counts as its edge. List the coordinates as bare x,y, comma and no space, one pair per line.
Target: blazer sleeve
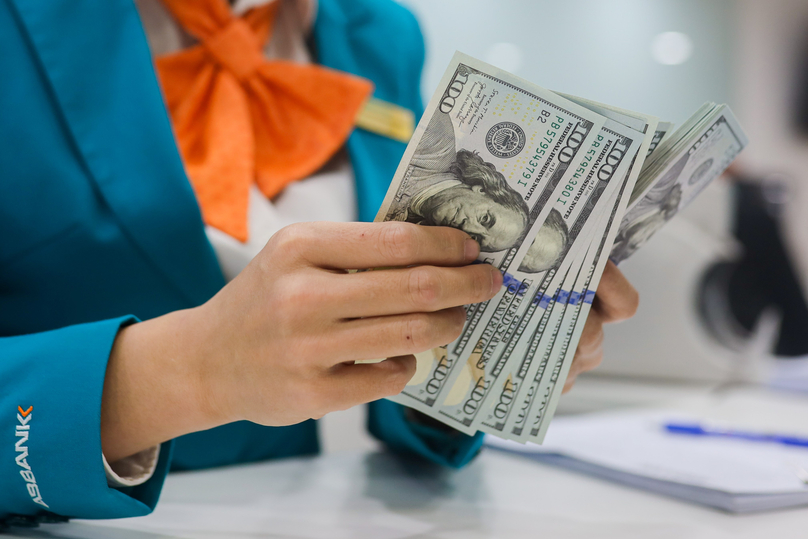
50,428
408,431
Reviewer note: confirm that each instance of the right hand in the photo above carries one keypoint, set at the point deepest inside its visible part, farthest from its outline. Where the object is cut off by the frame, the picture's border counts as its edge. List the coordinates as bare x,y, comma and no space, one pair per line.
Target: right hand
279,342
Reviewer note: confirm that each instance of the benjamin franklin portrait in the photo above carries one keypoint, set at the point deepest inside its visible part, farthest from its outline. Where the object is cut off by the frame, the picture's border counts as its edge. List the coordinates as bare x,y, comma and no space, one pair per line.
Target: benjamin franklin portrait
444,186
548,249
656,209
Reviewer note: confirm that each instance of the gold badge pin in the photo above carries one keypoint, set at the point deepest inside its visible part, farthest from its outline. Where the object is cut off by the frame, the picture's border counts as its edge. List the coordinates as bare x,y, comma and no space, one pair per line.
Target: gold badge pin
386,119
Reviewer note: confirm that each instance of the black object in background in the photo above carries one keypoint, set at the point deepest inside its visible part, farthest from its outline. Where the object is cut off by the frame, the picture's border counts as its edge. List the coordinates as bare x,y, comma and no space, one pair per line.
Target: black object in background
764,276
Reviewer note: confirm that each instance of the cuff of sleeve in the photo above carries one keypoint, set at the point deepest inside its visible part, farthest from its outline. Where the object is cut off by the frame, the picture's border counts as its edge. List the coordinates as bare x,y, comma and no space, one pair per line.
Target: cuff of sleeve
62,375
387,421
133,470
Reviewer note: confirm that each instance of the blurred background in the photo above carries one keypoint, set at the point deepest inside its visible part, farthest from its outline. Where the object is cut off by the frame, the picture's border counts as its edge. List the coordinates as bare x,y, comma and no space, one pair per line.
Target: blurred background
604,50
722,285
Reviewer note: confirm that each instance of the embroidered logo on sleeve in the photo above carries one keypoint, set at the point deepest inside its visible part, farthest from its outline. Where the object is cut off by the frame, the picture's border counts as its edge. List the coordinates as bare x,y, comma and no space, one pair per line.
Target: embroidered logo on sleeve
21,447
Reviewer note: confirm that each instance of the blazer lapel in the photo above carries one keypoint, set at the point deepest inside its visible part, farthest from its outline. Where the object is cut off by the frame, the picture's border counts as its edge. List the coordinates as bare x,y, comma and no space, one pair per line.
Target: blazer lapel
98,63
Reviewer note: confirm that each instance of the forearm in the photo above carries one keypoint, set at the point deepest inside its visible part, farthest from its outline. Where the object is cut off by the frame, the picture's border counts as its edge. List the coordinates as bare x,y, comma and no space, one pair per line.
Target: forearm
153,391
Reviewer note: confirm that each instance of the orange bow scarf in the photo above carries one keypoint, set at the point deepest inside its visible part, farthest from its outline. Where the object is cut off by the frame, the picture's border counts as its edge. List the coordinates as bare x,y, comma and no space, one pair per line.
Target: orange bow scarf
239,117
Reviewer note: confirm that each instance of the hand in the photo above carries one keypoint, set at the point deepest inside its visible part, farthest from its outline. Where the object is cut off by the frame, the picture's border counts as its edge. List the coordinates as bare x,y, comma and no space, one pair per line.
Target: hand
615,300
277,345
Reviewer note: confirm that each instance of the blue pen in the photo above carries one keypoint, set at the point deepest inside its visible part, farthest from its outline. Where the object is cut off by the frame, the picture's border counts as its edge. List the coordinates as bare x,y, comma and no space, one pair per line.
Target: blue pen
694,429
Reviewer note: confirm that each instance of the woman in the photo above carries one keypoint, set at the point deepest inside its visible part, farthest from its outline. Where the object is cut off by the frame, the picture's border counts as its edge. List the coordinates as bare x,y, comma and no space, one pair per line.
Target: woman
102,229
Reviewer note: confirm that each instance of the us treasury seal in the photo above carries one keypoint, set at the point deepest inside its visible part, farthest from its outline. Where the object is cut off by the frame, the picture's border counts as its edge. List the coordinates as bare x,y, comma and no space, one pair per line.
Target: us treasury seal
505,140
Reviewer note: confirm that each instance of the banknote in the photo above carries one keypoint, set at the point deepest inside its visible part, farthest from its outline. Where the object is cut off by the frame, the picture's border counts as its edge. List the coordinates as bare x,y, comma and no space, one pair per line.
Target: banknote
702,150
637,121
533,366
575,209
529,342
670,145
663,130
679,178
498,409
574,317
484,158
542,245
655,135
485,376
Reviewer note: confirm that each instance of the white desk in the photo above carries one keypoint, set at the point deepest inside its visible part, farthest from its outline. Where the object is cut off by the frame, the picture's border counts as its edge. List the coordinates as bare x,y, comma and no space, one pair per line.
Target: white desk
370,494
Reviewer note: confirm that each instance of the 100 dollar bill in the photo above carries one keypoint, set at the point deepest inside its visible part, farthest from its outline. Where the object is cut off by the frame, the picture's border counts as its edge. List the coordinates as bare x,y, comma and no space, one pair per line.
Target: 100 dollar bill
481,160
575,209
678,177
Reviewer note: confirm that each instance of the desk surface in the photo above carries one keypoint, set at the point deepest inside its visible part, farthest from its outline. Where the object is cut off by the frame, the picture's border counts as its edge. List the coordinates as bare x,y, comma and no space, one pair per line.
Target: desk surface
372,494
378,496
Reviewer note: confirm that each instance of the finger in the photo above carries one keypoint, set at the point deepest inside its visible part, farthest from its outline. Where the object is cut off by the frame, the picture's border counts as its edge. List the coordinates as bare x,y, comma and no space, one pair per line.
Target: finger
375,245
616,299
349,385
569,383
412,290
398,335
589,353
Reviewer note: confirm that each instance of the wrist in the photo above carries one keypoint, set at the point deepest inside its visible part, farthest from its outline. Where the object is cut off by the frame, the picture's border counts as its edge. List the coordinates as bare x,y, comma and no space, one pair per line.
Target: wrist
201,365
154,390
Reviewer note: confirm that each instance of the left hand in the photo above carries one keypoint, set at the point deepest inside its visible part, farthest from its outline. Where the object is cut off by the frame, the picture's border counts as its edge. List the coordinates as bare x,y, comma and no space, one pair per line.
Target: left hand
616,300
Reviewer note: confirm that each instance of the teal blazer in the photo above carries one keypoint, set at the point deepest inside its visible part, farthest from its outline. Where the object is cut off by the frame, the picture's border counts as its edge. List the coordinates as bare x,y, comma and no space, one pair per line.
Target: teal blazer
99,228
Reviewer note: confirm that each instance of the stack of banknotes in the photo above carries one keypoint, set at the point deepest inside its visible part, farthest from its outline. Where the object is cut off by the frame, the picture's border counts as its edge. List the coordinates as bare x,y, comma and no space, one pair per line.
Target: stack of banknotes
551,186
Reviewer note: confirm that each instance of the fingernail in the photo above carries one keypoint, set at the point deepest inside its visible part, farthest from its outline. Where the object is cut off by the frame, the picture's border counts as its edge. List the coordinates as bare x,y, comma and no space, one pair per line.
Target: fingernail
496,281
471,250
